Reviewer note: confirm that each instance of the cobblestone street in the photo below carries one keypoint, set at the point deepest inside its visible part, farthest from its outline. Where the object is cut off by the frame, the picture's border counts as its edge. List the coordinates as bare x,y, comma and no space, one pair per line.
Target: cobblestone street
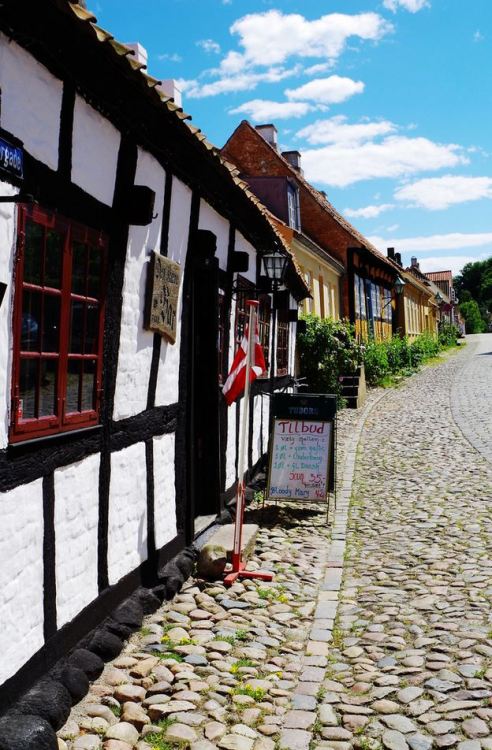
380,636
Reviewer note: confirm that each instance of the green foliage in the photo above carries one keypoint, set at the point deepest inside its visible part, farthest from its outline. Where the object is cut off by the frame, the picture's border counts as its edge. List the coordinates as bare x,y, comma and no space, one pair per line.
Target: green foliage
473,320
398,356
327,350
448,335
474,283
256,693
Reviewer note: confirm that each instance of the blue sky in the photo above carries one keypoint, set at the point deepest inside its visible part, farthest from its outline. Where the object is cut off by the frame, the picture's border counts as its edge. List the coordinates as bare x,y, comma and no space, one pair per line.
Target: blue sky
389,102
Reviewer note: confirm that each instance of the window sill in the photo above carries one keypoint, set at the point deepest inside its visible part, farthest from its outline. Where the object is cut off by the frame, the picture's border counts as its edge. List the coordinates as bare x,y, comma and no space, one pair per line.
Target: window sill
59,436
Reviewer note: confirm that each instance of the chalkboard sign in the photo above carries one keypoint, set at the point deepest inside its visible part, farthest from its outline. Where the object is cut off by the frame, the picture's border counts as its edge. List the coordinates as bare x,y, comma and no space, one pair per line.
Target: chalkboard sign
300,460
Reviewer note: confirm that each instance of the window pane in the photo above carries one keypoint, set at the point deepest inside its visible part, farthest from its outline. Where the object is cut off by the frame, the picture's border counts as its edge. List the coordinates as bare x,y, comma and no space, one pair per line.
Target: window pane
89,386
79,270
33,253
77,328
31,321
27,388
74,377
94,279
52,265
47,390
91,334
51,324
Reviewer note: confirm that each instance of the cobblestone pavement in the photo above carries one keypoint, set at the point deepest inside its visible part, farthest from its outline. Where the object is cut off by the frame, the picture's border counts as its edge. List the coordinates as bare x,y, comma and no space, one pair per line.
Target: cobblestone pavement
396,655
411,659
470,399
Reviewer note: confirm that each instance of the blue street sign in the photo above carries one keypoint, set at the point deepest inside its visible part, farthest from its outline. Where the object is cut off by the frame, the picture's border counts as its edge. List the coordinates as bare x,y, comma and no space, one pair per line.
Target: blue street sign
11,158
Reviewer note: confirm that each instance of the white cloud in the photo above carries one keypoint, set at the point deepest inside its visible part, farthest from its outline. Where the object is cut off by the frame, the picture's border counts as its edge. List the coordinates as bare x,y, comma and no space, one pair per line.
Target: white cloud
367,212
412,5
441,192
332,90
239,82
174,57
209,46
271,38
337,130
262,110
478,36
452,263
393,228
422,244
313,70
343,164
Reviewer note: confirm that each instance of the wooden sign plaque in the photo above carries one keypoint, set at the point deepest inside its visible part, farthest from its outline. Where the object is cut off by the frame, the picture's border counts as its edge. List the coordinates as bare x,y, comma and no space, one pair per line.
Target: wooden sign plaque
163,289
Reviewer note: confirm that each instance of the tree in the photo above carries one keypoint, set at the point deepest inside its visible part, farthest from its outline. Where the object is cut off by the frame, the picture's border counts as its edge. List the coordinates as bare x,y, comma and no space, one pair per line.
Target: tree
475,283
473,319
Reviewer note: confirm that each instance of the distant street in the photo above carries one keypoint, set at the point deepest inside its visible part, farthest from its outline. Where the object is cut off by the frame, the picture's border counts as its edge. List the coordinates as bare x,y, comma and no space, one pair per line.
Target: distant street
414,660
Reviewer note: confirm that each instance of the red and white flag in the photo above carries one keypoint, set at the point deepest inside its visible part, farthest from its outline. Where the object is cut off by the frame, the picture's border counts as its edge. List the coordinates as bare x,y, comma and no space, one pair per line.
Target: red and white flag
234,385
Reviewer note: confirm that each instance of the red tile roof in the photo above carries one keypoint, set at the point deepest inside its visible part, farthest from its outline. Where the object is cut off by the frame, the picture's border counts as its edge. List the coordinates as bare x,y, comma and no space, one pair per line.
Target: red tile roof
440,275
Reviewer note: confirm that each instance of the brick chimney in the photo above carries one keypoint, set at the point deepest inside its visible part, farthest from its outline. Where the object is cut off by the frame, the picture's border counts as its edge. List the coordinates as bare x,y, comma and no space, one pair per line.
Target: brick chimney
270,133
398,258
415,264
294,159
390,253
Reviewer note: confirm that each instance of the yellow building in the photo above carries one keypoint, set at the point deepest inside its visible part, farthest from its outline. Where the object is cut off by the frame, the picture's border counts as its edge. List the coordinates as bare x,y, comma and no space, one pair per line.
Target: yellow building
321,272
419,310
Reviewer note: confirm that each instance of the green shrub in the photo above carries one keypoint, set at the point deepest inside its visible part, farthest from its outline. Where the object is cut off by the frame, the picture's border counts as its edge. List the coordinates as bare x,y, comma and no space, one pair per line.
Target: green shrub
448,334
327,350
376,362
473,319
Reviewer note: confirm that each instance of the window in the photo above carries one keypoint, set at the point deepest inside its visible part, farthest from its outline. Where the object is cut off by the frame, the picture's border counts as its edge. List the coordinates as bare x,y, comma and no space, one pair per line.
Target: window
293,207
264,318
282,342
244,293
58,325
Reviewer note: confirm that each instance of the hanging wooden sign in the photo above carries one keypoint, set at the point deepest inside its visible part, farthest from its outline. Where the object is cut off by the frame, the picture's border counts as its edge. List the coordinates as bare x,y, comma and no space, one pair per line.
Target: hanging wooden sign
162,296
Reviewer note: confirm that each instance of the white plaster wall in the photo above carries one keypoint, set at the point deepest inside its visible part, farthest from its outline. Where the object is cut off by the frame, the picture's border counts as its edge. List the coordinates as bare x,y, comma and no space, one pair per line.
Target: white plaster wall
231,445
76,519
95,149
8,215
167,390
214,222
31,102
164,490
127,528
135,351
243,246
21,576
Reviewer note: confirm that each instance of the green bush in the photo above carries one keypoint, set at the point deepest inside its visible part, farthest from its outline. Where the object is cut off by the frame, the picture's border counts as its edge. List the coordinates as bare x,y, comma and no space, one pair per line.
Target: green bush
327,350
376,363
448,335
473,320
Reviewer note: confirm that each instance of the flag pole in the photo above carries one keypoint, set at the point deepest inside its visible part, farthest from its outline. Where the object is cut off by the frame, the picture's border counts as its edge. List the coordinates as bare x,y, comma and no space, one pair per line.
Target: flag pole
238,567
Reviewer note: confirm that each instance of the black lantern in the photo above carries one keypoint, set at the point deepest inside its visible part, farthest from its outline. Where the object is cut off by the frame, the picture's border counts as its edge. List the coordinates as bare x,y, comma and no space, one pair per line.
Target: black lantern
398,285
275,265
438,298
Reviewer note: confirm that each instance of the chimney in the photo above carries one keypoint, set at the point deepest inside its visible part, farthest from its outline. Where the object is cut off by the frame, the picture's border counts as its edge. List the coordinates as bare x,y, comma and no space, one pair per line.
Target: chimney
140,52
391,253
398,258
269,133
294,159
169,88
414,264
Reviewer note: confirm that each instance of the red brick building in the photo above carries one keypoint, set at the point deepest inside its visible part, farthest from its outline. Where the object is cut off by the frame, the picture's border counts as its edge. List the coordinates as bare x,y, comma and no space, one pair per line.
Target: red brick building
367,284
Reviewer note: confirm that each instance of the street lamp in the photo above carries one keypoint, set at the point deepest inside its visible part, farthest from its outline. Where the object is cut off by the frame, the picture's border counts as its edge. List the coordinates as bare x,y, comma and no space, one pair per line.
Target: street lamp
438,298
399,285
274,265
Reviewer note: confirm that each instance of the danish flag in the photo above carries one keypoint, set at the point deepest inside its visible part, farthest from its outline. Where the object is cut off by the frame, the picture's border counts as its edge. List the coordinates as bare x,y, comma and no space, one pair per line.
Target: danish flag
234,385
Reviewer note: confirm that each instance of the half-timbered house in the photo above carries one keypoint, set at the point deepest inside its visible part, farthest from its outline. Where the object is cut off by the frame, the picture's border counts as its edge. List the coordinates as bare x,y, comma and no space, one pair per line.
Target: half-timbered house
116,446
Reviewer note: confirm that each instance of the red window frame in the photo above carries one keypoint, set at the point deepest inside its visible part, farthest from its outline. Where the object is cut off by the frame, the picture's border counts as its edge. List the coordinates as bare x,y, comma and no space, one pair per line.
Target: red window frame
245,292
75,239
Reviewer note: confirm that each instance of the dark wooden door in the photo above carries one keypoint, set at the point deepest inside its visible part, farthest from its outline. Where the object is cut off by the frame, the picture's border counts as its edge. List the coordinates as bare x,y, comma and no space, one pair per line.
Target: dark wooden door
204,427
